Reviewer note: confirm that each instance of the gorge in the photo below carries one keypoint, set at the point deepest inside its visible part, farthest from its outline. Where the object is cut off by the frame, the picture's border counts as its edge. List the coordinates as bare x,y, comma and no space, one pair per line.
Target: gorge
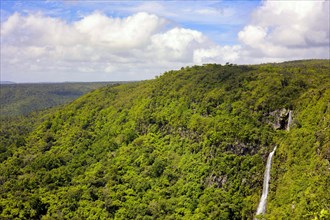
190,144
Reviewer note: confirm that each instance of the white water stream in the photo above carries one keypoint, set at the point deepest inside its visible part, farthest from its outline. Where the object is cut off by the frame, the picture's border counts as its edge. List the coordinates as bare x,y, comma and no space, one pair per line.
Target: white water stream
289,121
263,200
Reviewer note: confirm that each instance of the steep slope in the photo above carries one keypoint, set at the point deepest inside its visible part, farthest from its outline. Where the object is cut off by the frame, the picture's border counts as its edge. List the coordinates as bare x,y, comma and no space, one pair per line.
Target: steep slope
191,144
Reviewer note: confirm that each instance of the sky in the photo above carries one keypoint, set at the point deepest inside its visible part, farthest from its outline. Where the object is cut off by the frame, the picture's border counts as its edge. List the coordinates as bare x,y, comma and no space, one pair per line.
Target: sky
60,41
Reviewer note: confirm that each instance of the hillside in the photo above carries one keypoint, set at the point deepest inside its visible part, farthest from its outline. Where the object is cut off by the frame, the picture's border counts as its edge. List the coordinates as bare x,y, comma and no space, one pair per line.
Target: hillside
21,99
191,144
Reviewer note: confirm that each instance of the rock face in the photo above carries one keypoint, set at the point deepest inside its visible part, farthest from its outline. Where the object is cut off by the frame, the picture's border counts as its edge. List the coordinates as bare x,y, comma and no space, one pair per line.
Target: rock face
217,180
282,119
242,149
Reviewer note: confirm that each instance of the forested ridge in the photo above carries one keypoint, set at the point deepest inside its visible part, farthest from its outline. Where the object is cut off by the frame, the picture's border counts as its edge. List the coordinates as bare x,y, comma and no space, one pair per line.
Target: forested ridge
190,144
23,98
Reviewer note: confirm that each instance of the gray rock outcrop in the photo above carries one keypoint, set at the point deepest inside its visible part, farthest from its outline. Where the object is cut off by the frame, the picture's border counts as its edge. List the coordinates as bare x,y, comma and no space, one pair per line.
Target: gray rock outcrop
282,119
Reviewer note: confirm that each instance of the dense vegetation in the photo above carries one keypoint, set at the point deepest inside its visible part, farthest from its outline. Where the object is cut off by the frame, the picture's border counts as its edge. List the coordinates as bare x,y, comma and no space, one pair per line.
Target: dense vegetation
21,99
191,144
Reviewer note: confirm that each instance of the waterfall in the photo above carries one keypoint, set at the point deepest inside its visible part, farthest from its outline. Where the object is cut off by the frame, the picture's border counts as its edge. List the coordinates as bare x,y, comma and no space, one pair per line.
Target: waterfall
262,204
289,121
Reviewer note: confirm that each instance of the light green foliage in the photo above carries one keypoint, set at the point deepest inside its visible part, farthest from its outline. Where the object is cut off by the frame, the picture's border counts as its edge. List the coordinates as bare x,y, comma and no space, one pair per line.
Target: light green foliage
21,99
191,144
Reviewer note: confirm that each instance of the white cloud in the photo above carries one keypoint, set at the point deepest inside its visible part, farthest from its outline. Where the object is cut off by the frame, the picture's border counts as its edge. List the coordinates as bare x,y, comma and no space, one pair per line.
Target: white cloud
288,30
131,32
253,35
205,12
217,54
176,44
36,30
105,47
37,47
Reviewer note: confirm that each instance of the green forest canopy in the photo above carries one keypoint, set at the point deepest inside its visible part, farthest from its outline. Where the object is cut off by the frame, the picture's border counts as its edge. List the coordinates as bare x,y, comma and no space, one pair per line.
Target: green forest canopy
23,98
191,144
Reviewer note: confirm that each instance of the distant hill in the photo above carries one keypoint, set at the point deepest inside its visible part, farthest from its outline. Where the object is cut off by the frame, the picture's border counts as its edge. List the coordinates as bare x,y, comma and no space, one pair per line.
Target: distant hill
21,99
191,144
6,82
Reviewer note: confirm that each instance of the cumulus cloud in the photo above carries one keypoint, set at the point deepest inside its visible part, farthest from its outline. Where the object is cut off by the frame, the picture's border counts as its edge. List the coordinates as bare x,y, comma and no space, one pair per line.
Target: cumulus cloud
177,44
288,29
104,47
116,33
38,47
217,54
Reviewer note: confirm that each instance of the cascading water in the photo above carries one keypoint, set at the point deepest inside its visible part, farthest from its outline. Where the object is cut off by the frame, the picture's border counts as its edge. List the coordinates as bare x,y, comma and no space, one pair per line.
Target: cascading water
289,121
263,200
262,204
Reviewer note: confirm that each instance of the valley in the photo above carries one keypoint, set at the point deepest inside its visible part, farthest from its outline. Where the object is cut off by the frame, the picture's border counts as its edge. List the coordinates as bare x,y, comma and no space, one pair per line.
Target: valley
190,144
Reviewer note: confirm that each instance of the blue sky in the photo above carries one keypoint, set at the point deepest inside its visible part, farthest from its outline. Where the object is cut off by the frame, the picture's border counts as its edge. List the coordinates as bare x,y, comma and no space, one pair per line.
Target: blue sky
220,28
133,40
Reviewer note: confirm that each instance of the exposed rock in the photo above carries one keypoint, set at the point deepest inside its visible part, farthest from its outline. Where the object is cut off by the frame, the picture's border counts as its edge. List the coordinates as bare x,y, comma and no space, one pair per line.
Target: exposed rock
219,181
242,149
282,119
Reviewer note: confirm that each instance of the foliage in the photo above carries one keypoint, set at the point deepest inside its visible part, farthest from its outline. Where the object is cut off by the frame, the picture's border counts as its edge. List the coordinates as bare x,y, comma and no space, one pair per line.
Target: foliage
191,144
21,99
